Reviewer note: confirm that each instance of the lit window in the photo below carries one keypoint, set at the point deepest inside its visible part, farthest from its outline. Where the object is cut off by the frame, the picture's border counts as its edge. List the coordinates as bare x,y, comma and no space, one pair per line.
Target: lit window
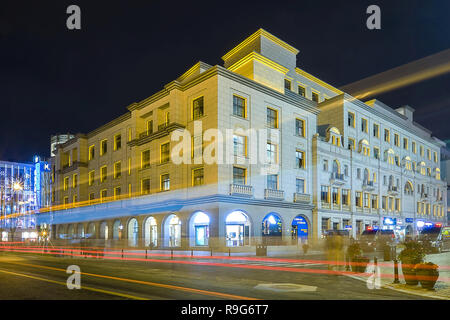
103,195
75,180
117,142
66,183
315,97
301,91
117,170
376,130
272,156
165,182
197,108
300,159
145,186
197,177
300,127
351,119
324,190
103,173
91,152
239,143
272,118
103,147
145,159
239,175
300,185
117,192
272,181
149,127
165,153
287,84
239,106
364,127
405,143
387,135
91,177
396,140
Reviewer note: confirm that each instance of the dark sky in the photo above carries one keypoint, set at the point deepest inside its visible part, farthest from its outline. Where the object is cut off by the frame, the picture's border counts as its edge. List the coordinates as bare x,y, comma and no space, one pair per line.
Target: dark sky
55,80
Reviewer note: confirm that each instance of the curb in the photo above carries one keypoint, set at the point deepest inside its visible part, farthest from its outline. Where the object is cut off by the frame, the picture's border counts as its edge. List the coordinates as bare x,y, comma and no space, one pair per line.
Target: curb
387,286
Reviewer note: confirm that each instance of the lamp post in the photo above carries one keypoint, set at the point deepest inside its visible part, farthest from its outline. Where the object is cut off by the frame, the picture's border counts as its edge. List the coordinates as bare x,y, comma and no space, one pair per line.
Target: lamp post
16,188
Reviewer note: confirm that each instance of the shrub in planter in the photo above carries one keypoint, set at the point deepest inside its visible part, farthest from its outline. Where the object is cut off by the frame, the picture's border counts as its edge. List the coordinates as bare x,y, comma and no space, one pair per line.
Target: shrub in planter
410,256
427,274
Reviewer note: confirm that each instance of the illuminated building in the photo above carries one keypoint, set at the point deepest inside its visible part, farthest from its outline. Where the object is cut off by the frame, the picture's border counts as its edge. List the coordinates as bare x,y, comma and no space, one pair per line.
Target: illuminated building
118,182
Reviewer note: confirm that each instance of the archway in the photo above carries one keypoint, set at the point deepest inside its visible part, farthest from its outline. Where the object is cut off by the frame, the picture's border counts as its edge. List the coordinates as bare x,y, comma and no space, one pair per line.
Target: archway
237,229
117,232
71,231
272,229
61,232
151,232
300,228
90,231
80,231
104,230
199,229
133,232
172,231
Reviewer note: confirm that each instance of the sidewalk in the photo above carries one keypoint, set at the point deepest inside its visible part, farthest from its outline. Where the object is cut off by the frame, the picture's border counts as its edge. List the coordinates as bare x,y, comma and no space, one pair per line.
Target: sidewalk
441,289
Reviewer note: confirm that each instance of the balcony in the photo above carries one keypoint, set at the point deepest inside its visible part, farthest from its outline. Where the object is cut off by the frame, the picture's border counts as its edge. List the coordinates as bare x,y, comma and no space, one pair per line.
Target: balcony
368,185
241,190
337,178
271,194
392,190
302,197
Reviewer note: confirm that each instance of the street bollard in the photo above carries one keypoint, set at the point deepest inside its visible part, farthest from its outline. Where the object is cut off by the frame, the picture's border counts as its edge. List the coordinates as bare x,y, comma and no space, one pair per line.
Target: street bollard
145,253
347,263
375,262
211,252
229,252
396,271
171,253
192,253
122,253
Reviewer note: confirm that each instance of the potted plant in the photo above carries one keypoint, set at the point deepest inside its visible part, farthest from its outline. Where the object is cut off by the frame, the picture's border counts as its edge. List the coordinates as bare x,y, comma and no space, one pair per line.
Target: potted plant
427,273
411,255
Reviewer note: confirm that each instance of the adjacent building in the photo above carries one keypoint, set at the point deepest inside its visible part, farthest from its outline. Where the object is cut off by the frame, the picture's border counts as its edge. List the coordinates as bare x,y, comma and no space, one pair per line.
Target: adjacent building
270,154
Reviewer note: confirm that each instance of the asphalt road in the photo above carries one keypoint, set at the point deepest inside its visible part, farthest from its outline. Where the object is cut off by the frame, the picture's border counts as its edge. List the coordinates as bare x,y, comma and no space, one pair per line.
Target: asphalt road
32,276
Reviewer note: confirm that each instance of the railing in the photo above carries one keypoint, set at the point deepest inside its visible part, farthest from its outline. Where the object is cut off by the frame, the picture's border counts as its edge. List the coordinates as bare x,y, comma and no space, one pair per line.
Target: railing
392,189
368,185
241,190
163,126
302,197
337,178
274,194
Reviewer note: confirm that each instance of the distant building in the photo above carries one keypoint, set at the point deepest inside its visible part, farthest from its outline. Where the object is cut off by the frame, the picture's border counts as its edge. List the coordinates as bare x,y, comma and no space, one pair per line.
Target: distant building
58,139
445,169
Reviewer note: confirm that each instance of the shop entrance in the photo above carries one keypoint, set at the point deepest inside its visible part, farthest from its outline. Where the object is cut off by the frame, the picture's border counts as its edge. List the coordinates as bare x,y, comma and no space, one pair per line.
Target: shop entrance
151,232
174,232
300,229
272,229
237,229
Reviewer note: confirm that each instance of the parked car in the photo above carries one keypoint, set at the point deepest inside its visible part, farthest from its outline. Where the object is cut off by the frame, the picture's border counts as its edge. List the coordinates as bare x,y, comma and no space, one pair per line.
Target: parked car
431,239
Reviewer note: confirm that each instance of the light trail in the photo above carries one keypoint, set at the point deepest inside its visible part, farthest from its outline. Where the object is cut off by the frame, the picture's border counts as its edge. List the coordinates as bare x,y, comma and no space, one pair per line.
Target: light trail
148,283
414,72
244,266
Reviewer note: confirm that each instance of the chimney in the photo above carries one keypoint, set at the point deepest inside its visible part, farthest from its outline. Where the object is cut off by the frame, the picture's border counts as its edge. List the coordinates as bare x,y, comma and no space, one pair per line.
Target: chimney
407,111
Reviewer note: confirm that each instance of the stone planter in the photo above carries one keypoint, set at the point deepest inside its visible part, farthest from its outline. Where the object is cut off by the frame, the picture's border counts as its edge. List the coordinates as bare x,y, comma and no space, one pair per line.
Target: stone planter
427,275
410,275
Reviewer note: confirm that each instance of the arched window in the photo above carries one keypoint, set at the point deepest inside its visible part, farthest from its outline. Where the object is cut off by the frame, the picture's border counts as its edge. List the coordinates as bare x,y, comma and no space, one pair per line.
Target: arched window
364,147
133,230
117,230
336,167
237,229
409,188
104,230
199,229
151,232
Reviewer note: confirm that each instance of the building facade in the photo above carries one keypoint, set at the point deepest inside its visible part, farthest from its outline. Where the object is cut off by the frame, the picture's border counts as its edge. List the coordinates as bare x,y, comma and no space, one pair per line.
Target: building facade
256,136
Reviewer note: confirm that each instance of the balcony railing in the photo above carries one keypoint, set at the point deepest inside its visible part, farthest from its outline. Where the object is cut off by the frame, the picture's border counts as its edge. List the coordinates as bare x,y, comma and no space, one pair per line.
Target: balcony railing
393,190
368,185
337,178
272,194
241,190
424,195
302,197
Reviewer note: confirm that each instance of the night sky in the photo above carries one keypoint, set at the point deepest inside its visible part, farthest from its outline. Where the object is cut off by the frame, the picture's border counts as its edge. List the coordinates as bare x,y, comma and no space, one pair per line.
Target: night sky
53,80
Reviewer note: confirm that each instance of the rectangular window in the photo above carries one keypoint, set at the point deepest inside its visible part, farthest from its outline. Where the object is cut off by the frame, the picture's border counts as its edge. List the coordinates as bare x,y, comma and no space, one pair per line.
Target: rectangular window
384,203
345,197
117,170
397,205
364,126
165,182
91,177
351,144
287,84
376,130
325,165
405,143
239,143
239,106
428,154
315,97
66,183
300,185
197,108
387,135
272,118
91,152
271,153
103,173
324,190
145,186
74,199
414,149
376,153
165,152
130,134
117,142
197,177
103,147
300,127
366,200
91,196
335,195
435,156
300,159
421,151
374,198
117,192
239,175
66,200
103,195
301,91
75,180
358,200
149,127
145,159
346,170
351,119
396,140
272,181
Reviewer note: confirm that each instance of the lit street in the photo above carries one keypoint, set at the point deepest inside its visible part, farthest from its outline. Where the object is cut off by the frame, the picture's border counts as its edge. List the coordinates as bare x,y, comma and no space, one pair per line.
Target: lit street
32,276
